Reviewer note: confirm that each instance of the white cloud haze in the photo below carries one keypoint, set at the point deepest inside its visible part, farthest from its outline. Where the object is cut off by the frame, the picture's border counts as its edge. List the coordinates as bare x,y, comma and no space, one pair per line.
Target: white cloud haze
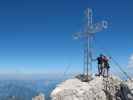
130,65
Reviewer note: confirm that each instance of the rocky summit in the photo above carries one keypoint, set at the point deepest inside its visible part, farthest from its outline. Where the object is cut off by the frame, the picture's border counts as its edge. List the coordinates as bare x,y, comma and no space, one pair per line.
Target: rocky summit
99,88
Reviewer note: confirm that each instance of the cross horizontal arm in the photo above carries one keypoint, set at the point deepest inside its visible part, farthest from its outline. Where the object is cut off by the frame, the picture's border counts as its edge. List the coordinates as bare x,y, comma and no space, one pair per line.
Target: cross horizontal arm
97,27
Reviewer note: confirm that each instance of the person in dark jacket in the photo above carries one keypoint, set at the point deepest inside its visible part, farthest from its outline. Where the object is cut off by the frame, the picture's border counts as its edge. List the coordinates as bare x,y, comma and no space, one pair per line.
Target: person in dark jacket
100,62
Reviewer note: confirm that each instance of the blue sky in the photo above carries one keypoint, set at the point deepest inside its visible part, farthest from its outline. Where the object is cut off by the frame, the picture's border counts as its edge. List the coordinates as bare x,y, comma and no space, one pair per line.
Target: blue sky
36,35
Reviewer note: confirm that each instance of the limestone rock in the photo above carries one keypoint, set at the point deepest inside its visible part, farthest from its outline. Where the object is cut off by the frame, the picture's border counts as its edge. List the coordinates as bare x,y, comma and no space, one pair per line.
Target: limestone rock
97,89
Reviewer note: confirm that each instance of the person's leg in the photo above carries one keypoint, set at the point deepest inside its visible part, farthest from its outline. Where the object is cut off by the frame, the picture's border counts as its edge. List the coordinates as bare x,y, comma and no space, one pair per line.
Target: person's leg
99,72
102,69
108,71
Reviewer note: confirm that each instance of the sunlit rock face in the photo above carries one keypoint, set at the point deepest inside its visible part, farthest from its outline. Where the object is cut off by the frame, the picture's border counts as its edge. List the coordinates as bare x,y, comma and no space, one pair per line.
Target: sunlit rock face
127,88
39,97
130,85
97,89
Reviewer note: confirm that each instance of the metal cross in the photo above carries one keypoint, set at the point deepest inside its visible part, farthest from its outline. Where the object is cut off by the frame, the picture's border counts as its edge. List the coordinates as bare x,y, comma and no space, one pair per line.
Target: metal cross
88,33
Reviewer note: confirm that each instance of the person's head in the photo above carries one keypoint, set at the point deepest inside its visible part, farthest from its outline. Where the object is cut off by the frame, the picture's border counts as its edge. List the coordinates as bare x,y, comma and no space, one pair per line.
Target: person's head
105,57
101,55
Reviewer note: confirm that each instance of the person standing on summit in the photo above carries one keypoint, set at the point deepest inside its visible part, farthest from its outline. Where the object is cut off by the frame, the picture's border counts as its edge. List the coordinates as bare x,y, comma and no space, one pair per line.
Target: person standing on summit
100,64
106,65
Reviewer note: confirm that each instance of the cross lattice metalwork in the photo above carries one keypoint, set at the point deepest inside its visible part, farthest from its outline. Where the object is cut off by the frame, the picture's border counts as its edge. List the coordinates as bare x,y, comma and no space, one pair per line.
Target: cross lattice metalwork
87,34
